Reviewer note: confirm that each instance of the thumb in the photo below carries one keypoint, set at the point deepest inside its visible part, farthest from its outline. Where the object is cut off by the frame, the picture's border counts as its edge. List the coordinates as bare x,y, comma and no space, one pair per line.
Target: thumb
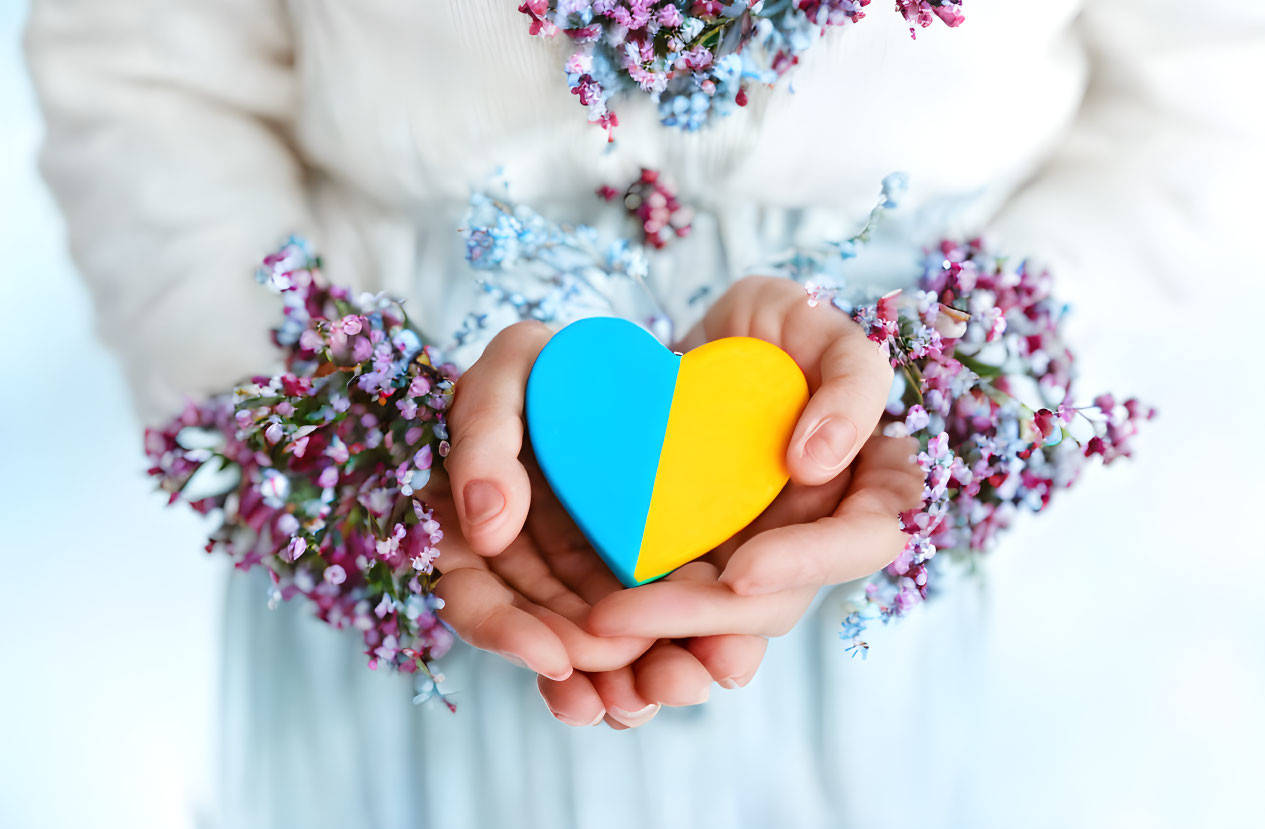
490,486
843,411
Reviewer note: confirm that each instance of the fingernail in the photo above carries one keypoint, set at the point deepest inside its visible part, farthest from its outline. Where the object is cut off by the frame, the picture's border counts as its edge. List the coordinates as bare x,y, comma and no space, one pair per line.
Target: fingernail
576,723
635,717
830,442
703,697
730,683
557,677
515,659
483,502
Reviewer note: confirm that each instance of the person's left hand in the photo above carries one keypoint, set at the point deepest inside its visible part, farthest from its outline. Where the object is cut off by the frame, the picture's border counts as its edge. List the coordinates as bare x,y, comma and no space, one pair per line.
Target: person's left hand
835,521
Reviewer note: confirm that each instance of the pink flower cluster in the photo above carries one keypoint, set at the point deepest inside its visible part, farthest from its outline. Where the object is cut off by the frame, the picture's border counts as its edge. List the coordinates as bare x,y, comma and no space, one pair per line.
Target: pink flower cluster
925,12
652,201
985,382
315,473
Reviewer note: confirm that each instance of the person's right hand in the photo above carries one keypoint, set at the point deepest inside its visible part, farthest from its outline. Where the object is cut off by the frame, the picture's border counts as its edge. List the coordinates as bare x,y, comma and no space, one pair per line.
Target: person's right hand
519,578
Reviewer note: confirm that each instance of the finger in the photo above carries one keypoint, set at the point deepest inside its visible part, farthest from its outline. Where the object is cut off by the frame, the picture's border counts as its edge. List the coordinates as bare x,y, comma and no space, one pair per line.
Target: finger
523,570
856,379
481,610
795,504
848,375
455,553
670,675
698,570
573,701
586,651
618,690
863,535
489,484
732,659
696,336
828,551
673,610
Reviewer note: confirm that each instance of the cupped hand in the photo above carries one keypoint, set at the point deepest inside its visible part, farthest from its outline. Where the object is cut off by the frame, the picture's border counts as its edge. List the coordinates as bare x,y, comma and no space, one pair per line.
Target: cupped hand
836,520
519,578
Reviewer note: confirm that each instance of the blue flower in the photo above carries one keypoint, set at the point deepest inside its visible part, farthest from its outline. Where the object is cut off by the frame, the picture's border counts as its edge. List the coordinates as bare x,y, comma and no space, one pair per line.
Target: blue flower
895,185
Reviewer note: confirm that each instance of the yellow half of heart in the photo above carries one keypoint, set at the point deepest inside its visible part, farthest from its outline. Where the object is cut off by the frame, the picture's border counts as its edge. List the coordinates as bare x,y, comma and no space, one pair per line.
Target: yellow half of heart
723,460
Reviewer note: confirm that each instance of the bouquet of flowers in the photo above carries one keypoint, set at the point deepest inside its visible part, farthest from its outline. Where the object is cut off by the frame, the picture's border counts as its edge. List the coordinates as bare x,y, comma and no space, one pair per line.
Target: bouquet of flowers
696,58
984,380
319,473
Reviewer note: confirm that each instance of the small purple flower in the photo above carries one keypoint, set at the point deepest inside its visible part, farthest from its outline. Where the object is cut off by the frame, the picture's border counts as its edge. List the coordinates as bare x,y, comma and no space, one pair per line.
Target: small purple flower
296,547
1105,403
384,607
287,524
916,419
274,488
311,340
425,561
337,451
328,477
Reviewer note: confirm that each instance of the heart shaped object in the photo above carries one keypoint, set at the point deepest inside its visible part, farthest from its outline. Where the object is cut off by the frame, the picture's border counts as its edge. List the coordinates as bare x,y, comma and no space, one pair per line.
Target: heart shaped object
660,457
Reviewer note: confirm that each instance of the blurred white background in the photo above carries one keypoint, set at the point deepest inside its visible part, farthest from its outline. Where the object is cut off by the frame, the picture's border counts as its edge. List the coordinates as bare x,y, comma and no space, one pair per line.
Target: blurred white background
1124,672
108,626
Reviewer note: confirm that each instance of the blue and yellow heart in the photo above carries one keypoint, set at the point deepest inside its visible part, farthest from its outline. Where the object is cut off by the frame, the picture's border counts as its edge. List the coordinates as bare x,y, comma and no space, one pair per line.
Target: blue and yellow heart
660,457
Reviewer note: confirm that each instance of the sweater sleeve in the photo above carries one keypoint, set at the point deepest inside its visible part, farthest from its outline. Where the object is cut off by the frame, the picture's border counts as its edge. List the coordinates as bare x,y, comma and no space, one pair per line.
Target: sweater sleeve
167,149
1150,189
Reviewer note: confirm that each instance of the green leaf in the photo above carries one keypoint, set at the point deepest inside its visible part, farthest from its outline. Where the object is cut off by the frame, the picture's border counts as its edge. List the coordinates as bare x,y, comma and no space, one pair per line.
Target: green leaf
982,369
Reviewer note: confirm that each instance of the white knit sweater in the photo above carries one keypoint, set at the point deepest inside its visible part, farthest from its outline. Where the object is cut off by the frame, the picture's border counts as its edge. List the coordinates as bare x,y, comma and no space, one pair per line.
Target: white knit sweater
186,137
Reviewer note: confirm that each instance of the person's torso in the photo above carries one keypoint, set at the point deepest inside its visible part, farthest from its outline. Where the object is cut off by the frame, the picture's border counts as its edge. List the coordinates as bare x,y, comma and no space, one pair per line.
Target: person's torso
405,106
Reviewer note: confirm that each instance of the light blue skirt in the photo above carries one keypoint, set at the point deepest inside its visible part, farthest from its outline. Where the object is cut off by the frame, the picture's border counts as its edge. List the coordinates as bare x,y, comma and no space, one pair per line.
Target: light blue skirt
310,737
